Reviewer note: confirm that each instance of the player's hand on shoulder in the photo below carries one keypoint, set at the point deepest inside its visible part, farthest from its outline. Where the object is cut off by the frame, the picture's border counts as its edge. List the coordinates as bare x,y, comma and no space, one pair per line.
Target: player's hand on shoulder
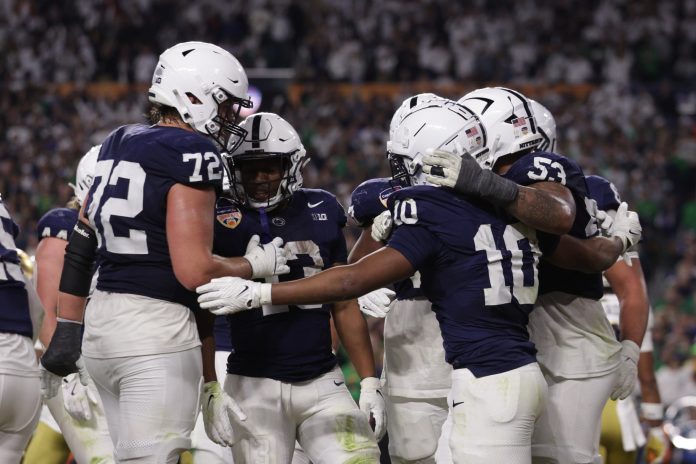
266,259
382,226
626,226
377,303
78,399
444,168
221,414
372,403
229,295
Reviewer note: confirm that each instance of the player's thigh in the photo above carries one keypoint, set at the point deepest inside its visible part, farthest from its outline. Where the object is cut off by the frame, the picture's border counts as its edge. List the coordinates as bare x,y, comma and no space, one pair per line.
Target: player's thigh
611,440
332,428
20,408
568,429
494,416
46,446
414,426
158,403
268,434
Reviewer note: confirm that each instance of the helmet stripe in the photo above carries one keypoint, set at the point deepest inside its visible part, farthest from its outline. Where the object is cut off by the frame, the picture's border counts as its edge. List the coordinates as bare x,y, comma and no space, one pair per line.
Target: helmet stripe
525,103
255,129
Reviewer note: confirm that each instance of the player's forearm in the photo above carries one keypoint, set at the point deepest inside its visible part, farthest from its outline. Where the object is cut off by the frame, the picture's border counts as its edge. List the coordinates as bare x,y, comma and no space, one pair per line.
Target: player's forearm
354,335
205,323
649,391
634,318
200,270
335,284
542,210
71,307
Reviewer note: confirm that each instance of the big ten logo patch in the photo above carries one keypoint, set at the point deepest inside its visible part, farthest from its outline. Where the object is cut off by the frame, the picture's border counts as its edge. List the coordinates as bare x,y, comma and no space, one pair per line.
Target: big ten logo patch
229,217
319,216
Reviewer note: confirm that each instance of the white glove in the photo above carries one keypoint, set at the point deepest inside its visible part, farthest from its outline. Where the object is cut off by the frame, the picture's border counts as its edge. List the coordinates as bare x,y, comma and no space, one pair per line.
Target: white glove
51,383
377,302
627,226
268,259
381,226
605,221
78,399
219,413
372,402
628,370
229,295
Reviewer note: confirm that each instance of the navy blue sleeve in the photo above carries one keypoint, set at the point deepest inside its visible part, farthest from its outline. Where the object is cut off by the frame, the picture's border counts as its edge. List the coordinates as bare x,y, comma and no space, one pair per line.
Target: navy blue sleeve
548,167
603,192
57,223
548,242
339,252
368,200
416,243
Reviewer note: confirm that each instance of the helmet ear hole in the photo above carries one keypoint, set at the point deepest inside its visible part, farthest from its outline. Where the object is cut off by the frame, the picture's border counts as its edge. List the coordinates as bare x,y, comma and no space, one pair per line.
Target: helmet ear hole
193,99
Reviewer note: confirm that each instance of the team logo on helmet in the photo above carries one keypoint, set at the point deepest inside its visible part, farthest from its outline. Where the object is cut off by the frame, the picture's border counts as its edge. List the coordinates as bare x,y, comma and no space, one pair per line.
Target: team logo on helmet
230,217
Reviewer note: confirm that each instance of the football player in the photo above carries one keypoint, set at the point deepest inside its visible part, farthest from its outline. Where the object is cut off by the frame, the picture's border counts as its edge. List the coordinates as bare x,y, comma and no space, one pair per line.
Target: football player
149,217
582,361
478,268
20,313
416,376
76,411
281,366
627,307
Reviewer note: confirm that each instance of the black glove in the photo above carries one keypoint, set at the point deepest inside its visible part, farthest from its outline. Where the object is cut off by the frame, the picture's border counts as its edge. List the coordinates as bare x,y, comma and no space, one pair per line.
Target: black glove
64,350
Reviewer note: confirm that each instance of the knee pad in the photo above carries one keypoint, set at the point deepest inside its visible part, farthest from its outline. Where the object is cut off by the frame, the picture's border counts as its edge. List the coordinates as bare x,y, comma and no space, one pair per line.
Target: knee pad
158,452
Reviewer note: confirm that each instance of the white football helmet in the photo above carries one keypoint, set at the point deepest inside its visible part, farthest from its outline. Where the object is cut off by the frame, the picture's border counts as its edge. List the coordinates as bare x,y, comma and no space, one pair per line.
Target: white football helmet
445,125
509,120
84,176
546,125
206,85
409,105
267,136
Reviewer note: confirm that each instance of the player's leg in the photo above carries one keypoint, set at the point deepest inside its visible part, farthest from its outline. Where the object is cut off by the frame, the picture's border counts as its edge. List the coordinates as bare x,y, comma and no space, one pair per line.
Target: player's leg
203,450
299,456
611,439
20,408
568,430
493,416
414,426
158,400
47,444
268,434
89,441
332,429
443,455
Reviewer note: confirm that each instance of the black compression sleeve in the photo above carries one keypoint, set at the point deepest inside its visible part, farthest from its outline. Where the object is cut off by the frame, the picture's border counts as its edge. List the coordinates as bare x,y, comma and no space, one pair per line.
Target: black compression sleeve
79,261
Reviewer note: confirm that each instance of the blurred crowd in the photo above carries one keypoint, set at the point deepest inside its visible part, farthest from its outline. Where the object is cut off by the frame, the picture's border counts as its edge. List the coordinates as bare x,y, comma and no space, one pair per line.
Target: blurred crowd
636,126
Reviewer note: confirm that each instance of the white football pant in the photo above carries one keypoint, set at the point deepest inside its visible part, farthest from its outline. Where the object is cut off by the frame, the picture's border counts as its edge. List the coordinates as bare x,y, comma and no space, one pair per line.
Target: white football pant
320,414
151,403
415,427
20,407
568,430
494,416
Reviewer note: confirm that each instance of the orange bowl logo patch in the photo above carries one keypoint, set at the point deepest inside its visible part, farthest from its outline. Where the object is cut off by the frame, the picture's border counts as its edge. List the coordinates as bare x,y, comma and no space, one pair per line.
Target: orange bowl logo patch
230,218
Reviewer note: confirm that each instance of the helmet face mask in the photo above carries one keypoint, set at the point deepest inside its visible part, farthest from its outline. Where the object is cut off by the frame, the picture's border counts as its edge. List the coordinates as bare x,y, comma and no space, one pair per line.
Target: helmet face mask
270,146
509,120
206,85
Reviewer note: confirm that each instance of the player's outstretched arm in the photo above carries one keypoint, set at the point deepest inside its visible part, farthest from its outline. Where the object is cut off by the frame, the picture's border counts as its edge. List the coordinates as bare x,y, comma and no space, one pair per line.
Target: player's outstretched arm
190,238
628,283
545,206
229,295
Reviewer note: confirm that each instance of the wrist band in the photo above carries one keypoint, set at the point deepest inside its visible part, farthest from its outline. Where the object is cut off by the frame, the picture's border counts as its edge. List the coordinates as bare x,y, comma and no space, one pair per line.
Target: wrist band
652,411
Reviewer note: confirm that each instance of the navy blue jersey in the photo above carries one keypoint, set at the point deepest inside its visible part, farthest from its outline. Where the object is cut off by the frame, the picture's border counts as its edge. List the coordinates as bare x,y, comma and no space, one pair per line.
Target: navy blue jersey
550,167
14,302
603,192
294,343
137,166
368,201
57,223
477,268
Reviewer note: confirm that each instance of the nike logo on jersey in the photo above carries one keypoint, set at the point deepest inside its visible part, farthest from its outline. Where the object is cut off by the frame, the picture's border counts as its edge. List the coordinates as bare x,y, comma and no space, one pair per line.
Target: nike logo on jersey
314,205
454,405
338,384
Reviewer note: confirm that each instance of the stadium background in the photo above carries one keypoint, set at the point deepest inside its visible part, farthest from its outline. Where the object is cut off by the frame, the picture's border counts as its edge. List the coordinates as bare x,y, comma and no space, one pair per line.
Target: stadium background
619,76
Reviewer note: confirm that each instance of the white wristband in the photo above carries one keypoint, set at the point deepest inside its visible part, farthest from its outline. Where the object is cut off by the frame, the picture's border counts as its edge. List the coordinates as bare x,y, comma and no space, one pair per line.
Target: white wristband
265,294
652,411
